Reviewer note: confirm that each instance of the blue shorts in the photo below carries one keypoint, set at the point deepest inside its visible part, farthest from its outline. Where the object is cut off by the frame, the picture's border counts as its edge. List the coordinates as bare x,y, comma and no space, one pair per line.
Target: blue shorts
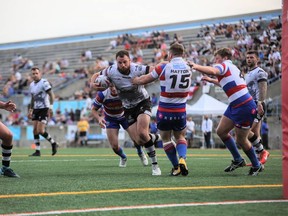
167,121
116,122
242,116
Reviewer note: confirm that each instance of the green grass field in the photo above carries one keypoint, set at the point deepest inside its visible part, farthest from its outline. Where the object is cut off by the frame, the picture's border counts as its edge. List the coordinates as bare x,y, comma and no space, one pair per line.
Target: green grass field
89,181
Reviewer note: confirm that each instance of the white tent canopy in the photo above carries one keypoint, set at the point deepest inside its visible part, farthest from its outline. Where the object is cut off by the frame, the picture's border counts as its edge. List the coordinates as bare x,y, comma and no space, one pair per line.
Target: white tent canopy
206,105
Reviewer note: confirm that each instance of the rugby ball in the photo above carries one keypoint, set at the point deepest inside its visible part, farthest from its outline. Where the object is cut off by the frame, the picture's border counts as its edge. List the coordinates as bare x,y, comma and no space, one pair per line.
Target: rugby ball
102,82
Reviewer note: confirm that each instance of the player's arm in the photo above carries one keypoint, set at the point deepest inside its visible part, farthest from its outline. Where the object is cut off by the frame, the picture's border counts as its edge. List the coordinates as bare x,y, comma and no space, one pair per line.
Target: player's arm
211,80
262,95
262,90
31,107
92,80
95,112
150,75
51,98
144,79
205,69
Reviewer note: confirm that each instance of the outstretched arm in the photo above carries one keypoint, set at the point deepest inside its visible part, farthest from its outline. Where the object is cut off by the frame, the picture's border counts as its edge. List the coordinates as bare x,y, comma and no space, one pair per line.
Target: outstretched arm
9,106
211,80
204,69
144,79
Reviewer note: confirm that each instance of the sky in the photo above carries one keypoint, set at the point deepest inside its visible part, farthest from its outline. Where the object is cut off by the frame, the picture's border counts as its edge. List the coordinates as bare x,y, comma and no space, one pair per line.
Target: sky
23,20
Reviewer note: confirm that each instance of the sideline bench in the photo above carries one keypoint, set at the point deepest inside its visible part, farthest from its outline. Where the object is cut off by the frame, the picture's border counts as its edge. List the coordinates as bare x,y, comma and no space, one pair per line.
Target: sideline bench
96,139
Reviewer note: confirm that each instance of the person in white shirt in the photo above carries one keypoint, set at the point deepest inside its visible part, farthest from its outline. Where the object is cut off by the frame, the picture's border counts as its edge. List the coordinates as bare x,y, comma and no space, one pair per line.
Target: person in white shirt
207,126
190,131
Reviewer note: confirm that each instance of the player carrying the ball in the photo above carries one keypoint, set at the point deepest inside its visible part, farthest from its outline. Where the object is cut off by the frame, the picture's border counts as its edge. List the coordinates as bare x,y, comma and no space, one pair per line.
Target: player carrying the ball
135,100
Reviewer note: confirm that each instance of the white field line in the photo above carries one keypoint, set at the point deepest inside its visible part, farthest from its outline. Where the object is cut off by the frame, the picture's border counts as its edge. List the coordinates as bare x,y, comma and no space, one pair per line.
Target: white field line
119,208
93,159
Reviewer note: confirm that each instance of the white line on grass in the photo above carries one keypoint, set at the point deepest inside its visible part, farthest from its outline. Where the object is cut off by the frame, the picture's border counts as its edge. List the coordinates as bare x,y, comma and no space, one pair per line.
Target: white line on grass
119,208
96,159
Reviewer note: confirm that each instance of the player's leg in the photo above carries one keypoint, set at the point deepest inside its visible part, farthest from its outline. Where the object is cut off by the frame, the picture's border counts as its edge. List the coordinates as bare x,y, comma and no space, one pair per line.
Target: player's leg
112,135
223,129
41,129
41,126
181,147
142,128
139,148
242,139
6,137
255,139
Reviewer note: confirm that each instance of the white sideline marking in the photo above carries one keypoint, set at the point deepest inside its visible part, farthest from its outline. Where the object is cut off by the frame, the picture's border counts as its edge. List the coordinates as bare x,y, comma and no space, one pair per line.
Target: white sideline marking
95,159
117,208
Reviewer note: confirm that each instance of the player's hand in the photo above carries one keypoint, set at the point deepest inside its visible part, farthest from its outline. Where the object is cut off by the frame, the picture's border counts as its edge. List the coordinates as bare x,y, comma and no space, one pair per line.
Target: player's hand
260,108
102,123
50,113
97,87
9,106
30,112
191,64
135,81
206,78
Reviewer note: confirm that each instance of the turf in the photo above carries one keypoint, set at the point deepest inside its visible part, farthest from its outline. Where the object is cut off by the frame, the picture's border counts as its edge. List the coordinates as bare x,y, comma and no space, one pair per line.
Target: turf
83,178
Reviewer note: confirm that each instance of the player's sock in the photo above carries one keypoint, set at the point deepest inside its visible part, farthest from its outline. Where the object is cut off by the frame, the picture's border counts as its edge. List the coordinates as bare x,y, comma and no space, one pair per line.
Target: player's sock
232,147
120,152
181,148
37,142
257,144
170,150
252,156
48,137
150,149
138,148
6,155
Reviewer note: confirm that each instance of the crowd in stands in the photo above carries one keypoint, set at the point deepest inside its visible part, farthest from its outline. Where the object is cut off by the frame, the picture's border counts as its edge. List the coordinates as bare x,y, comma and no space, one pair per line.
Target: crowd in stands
262,35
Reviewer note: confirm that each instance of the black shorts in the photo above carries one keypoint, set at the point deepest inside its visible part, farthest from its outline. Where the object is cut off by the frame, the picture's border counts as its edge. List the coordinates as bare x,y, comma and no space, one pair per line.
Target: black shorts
40,115
82,133
143,107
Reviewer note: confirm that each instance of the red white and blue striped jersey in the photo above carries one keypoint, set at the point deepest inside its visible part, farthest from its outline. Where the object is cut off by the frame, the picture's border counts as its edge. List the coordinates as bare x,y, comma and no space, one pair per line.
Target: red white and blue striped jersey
233,83
111,103
175,82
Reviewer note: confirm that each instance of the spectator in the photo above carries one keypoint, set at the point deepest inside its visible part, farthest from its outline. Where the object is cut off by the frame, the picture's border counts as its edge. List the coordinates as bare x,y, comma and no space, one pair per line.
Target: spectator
154,100
86,56
207,126
83,130
190,131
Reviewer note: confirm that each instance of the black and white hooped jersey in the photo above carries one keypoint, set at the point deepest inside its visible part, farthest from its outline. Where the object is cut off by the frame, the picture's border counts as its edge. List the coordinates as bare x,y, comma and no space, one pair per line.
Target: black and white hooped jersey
130,94
38,91
252,79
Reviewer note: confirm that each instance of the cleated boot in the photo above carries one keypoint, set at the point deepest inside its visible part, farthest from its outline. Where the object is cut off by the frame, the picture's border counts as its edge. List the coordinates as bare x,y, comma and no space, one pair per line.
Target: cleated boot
264,156
123,162
234,165
254,171
54,148
7,171
175,171
144,159
183,167
156,170
36,153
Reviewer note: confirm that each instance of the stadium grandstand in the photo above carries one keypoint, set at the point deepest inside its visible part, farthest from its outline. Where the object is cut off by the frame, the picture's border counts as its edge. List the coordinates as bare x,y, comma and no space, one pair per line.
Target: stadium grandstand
84,177
69,62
